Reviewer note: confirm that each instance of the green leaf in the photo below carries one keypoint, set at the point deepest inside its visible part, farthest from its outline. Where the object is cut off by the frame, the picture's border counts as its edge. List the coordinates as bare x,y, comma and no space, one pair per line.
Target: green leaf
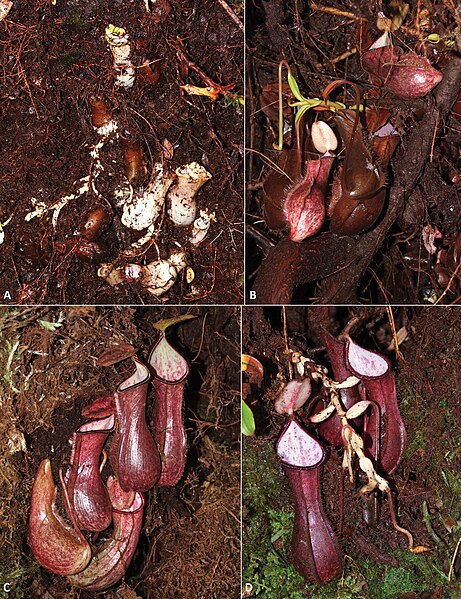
434,38
309,102
51,326
300,113
294,88
248,421
115,35
162,325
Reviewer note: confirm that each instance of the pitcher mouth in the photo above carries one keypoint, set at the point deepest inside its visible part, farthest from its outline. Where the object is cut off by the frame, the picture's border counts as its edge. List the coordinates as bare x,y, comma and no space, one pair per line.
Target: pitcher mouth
171,372
140,377
99,425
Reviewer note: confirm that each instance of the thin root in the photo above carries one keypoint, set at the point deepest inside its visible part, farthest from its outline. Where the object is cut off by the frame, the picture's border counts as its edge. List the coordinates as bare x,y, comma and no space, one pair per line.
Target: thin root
419,548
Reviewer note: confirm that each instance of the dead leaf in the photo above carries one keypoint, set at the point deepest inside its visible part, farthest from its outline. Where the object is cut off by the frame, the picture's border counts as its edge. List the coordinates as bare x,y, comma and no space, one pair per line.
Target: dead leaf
115,354
168,150
253,369
193,90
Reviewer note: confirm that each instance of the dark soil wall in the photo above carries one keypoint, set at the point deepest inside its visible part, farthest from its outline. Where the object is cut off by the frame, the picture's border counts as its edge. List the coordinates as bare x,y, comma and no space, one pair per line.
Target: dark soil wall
54,64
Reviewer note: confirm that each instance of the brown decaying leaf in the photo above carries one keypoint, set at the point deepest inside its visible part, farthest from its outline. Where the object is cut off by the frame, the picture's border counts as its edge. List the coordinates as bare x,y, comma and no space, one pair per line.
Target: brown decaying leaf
116,353
193,90
253,369
149,72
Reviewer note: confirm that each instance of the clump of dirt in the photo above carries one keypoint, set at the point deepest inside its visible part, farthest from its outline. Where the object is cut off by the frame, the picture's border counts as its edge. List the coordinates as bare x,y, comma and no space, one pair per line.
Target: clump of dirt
55,65
410,253
190,536
424,485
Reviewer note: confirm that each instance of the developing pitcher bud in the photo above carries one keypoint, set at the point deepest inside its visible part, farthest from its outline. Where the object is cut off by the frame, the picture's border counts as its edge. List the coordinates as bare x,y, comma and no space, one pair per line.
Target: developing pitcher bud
405,75
304,206
323,137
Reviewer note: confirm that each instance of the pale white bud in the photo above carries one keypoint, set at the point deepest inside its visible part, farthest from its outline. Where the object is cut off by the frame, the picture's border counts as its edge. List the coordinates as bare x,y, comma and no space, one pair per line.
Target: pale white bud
323,137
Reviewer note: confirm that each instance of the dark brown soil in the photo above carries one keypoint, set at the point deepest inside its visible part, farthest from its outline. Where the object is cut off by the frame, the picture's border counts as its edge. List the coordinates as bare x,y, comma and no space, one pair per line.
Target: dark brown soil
390,262
190,540
428,382
54,64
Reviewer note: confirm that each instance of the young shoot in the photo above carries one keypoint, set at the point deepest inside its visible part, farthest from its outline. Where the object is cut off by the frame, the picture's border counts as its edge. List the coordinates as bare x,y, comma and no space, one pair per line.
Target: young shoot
301,104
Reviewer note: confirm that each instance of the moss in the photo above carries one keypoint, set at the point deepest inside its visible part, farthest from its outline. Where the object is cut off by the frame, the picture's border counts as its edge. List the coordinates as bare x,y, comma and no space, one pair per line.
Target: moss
442,454
75,19
415,573
416,445
264,566
398,580
351,586
452,483
270,578
268,524
18,579
70,58
413,405
262,485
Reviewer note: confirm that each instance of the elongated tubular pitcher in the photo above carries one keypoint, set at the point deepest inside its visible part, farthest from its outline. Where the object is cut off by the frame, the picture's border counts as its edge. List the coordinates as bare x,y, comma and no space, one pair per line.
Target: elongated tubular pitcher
378,381
134,454
87,493
330,430
315,551
171,370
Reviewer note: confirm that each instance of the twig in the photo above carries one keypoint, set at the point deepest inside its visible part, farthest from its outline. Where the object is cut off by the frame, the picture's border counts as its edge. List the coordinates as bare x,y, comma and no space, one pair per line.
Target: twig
453,559
390,315
334,11
445,291
261,239
270,162
232,14
201,339
426,519
285,336
431,155
344,55
181,53
26,83
380,285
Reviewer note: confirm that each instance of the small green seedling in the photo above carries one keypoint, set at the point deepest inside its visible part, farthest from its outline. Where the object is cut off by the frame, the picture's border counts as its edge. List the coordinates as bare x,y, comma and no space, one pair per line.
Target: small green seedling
302,104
